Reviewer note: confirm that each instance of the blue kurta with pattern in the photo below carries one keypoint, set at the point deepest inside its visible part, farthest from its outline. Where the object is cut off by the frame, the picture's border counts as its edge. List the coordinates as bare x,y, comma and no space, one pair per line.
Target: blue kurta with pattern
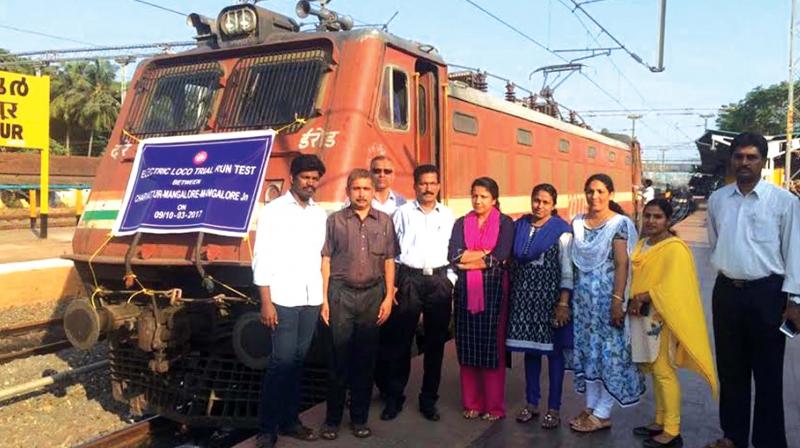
602,351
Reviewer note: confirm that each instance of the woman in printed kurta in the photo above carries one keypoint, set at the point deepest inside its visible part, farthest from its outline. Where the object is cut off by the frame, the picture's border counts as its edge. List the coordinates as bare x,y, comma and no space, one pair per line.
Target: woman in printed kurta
603,239
539,310
668,326
480,245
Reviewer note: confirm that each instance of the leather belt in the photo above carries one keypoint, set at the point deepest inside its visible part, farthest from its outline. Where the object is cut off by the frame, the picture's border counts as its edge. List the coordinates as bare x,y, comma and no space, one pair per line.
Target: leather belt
742,284
427,272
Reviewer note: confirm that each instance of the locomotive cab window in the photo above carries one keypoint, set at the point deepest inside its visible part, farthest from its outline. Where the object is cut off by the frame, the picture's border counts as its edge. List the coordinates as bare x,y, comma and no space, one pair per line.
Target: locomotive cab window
422,112
591,152
272,90
563,145
173,100
393,112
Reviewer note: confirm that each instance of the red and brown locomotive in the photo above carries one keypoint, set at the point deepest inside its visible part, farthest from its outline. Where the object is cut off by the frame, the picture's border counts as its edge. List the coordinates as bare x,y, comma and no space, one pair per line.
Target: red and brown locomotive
177,309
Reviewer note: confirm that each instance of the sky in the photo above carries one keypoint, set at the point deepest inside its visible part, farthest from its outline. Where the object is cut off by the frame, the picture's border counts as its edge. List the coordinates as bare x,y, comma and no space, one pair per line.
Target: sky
715,50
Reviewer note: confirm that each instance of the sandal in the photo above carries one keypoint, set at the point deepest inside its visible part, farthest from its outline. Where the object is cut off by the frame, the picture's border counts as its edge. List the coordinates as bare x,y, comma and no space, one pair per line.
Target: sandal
551,420
581,417
592,424
361,431
527,414
470,414
491,417
328,432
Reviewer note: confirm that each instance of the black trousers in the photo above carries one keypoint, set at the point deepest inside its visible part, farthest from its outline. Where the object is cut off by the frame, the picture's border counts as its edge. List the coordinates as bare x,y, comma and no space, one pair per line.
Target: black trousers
750,347
353,345
416,293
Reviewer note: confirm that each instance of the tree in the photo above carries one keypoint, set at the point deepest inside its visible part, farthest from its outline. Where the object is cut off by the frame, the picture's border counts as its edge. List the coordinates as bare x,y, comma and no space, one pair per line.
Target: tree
70,88
762,110
101,107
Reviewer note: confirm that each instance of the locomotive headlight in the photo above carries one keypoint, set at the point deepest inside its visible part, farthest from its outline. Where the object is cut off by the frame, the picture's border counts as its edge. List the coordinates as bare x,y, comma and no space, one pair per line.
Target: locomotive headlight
229,24
238,21
247,21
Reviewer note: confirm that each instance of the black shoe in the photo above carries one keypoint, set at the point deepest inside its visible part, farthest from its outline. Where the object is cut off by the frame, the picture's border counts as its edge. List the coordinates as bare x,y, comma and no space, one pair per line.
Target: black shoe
361,430
430,413
644,431
266,440
390,411
676,442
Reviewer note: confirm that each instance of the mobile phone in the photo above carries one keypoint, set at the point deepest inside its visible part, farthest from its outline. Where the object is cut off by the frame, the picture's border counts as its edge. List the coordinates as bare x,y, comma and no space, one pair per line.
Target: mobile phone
789,329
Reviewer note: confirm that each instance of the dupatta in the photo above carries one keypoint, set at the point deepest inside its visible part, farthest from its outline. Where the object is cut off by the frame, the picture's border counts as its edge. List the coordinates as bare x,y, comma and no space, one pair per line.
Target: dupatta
479,238
667,271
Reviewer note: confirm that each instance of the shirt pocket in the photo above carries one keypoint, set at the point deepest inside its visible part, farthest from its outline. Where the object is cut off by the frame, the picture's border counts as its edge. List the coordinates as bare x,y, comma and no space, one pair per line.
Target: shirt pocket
376,239
764,227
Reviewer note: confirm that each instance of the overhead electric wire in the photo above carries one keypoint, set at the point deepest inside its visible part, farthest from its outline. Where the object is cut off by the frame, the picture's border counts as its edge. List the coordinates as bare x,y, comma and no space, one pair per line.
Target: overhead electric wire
51,36
163,8
544,47
616,67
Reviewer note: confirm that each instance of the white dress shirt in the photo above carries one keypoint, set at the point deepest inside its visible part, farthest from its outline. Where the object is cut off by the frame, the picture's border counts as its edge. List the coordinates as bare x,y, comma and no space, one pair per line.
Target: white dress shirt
288,249
393,202
755,235
423,237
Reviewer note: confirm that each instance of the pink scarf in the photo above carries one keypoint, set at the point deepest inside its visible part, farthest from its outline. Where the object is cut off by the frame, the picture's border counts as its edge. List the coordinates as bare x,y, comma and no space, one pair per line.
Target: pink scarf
476,238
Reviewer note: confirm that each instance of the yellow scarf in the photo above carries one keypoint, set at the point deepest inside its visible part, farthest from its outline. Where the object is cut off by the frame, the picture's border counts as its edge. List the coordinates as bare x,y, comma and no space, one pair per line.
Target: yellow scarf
667,271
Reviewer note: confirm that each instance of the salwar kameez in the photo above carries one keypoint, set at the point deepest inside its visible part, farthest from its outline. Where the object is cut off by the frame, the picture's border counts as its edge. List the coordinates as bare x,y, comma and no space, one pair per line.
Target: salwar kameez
480,336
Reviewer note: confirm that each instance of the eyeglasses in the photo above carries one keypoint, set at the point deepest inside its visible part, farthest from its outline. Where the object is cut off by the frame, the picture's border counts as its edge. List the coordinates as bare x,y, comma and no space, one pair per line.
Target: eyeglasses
385,171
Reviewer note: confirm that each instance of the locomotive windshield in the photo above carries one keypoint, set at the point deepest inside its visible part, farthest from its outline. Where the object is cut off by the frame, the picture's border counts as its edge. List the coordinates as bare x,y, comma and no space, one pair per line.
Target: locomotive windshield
174,100
272,90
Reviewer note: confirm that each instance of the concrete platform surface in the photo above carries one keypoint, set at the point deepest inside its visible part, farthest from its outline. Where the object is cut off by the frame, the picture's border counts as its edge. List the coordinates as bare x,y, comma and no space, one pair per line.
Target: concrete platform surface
23,245
700,421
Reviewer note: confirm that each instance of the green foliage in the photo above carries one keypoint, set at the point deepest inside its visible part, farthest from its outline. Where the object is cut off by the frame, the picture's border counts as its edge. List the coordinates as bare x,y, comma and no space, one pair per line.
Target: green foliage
762,110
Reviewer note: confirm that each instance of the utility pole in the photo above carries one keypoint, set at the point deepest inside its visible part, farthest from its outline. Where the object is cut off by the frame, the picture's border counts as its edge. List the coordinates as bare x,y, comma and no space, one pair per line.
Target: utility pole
787,168
633,118
705,118
123,61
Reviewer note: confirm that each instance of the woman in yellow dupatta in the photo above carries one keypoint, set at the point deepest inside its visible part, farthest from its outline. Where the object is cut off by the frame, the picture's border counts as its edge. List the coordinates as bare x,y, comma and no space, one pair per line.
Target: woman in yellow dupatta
668,326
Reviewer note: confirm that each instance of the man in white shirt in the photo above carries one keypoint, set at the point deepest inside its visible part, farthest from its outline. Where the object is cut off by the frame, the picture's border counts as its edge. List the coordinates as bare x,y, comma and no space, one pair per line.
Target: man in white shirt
754,232
287,270
386,200
648,193
423,230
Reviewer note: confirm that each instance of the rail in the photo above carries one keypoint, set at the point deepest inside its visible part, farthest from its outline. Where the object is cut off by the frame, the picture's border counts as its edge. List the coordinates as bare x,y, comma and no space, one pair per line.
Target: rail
32,338
133,435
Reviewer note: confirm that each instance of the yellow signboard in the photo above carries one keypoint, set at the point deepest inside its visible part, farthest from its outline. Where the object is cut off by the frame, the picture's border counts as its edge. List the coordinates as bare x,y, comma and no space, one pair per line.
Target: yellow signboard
24,111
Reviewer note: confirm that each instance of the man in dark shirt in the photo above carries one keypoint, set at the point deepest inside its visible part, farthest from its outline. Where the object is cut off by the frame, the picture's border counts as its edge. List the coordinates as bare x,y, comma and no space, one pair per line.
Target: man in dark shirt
358,293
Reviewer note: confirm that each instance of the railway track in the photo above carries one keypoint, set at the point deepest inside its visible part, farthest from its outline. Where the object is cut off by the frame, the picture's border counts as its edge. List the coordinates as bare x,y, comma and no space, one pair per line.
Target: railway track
144,433
28,339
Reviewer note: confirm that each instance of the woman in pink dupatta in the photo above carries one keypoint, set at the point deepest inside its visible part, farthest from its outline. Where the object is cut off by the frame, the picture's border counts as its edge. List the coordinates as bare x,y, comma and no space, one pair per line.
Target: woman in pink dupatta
480,245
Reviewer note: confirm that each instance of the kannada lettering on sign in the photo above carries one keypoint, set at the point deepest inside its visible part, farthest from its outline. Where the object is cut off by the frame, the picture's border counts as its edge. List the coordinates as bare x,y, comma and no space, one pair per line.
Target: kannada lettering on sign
24,111
206,183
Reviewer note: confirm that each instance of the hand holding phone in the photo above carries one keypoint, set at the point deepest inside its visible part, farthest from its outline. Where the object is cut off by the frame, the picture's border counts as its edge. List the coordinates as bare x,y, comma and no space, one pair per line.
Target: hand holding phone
789,329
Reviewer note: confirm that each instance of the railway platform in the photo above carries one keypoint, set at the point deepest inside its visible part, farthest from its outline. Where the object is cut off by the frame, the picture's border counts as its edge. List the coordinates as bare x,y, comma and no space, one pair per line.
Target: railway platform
700,421
32,270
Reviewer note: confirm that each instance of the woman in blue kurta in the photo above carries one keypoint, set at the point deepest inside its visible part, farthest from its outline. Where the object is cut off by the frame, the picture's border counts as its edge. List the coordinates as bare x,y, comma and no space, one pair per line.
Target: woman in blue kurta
539,310
603,239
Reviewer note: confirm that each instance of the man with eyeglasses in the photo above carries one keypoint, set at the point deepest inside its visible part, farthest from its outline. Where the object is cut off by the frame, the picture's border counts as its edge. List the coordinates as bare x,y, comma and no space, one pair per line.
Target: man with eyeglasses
386,200
754,233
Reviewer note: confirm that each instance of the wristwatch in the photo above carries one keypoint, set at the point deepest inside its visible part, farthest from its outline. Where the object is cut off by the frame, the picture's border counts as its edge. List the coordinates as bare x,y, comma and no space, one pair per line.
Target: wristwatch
795,299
